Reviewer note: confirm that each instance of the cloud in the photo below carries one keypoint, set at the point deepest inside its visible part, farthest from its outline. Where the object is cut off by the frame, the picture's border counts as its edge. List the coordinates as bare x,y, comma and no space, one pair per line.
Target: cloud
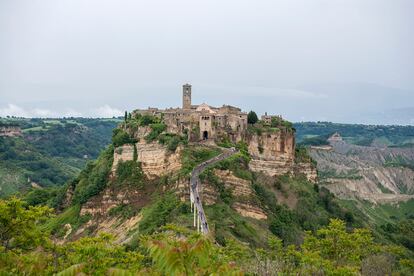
13,110
44,113
17,111
104,111
72,113
107,111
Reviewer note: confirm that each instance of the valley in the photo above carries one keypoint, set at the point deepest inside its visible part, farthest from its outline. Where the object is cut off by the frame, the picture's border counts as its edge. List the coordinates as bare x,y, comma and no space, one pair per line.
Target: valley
48,152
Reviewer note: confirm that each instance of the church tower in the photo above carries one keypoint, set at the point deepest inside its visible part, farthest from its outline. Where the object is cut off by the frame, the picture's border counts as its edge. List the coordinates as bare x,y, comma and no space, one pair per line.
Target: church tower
187,96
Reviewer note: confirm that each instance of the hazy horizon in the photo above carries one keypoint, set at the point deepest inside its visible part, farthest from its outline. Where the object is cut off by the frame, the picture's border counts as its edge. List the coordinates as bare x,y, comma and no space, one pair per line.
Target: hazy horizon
341,61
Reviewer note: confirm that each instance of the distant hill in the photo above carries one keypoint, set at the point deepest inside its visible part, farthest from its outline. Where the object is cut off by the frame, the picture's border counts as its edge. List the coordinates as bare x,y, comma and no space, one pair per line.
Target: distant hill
316,133
50,151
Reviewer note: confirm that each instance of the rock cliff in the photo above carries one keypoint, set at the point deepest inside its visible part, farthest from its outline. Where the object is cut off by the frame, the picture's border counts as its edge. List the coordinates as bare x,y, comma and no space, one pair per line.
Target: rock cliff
10,131
273,153
155,159
241,190
379,175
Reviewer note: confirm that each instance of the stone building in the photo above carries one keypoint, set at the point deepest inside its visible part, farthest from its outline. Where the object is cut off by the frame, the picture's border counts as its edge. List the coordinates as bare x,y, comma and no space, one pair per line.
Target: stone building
267,119
201,122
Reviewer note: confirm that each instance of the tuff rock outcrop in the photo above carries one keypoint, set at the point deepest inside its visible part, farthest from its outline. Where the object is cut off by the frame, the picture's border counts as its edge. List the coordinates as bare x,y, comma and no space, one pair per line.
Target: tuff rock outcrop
273,153
155,159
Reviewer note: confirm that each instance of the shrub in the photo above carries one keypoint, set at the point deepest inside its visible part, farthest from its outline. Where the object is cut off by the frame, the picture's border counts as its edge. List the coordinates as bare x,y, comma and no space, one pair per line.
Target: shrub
252,118
157,214
94,177
129,172
120,137
156,130
147,120
173,144
123,210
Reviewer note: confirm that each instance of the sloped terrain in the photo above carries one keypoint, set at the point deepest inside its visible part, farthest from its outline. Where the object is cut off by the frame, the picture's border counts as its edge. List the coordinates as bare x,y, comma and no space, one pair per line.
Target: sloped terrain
49,152
377,174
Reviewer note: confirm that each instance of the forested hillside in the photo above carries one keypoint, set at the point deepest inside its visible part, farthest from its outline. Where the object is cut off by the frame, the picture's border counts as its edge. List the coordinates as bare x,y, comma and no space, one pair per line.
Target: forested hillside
50,151
316,133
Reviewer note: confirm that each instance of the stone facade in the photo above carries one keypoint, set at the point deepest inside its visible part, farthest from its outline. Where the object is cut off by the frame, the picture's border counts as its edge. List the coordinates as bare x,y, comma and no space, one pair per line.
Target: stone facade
272,148
201,122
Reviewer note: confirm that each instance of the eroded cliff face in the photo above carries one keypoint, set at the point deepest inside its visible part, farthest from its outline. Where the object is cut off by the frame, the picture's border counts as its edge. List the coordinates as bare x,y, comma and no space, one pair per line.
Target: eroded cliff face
272,153
307,169
242,191
351,171
100,206
155,159
10,131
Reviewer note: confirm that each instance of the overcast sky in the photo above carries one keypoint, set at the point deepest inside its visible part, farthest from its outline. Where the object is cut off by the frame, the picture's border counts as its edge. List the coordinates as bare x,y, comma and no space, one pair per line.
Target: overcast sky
336,60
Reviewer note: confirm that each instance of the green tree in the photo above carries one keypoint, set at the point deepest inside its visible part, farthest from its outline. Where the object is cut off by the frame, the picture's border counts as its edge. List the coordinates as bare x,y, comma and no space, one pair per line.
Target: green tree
97,256
19,224
195,255
252,118
121,137
335,250
126,116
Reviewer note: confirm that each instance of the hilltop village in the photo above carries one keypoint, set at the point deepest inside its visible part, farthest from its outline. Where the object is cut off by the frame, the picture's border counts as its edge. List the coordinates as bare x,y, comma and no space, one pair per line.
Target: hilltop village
203,122
270,142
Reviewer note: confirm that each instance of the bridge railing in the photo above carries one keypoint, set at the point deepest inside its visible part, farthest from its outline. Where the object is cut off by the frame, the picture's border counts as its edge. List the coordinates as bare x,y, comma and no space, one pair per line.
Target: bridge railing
200,220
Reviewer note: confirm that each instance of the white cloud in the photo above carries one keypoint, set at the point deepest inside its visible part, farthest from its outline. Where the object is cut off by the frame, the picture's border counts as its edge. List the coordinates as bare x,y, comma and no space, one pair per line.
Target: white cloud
72,113
13,110
106,111
43,113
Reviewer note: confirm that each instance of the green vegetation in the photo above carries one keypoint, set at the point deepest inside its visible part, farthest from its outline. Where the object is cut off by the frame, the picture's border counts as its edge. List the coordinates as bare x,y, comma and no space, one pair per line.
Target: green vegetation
302,155
19,225
399,161
390,223
302,233
331,250
316,133
93,178
129,173
331,173
194,155
120,137
252,118
123,210
277,125
158,213
225,194
51,152
21,163
156,130
71,216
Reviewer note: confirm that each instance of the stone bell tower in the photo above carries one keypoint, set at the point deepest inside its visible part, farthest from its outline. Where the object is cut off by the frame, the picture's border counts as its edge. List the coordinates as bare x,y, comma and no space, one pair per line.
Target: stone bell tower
187,96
